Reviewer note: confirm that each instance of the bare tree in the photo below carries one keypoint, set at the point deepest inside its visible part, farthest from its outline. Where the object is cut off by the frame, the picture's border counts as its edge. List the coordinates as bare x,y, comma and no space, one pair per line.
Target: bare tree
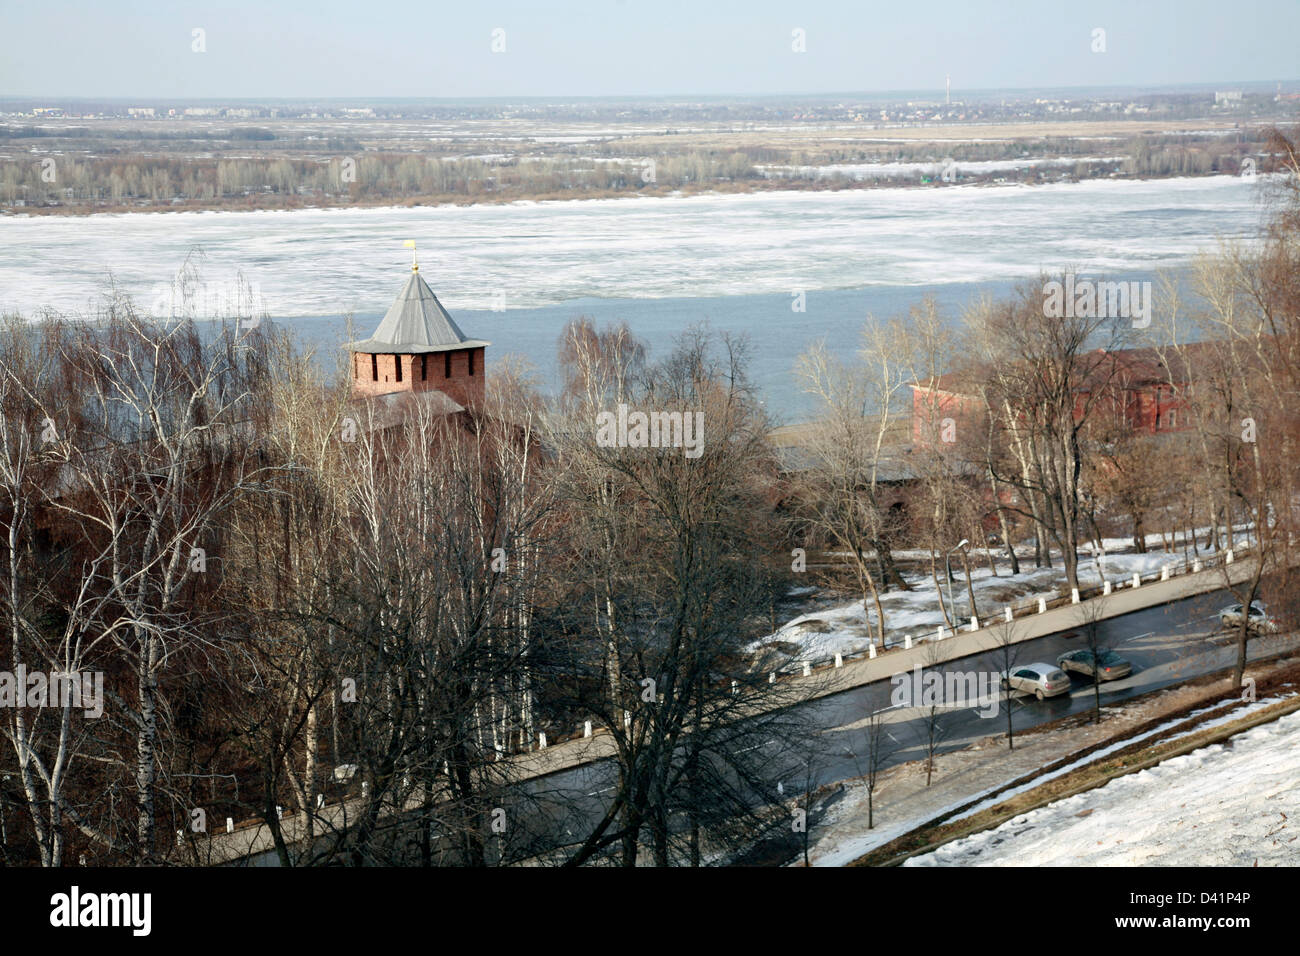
1097,642
50,628
859,442
698,741
1006,652
156,455
1049,374
877,755
932,706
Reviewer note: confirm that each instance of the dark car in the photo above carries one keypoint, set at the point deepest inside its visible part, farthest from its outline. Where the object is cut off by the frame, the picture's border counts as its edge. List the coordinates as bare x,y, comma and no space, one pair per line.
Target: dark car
1113,667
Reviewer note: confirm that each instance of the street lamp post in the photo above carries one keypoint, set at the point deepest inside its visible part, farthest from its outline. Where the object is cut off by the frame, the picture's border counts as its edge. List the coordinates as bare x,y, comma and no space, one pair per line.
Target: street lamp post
947,579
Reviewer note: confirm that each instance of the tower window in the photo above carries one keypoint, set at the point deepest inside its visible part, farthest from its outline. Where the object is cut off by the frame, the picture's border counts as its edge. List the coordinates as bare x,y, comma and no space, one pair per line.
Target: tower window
446,365
424,366
374,367
471,362
397,363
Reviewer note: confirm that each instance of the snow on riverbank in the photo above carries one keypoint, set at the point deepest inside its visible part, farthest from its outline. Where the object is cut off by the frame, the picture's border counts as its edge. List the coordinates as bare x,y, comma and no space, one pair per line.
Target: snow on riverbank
847,628
1230,804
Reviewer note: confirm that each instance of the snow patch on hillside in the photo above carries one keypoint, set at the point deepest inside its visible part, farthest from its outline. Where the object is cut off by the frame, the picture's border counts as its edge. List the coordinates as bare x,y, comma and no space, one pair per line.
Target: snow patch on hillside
1230,804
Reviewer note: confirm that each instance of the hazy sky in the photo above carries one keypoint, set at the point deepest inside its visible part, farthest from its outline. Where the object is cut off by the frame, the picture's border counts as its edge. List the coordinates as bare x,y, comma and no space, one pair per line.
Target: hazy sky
268,48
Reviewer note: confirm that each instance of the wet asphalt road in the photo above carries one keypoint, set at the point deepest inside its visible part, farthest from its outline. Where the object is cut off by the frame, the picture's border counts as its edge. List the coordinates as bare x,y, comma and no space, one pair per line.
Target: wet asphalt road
1166,645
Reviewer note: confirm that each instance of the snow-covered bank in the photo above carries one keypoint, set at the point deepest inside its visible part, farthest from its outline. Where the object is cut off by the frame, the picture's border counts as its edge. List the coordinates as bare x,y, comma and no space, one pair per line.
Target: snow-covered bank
848,628
1230,804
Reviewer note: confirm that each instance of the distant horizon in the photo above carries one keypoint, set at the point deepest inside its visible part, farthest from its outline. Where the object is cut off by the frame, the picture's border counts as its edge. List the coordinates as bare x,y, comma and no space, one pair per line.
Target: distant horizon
1256,85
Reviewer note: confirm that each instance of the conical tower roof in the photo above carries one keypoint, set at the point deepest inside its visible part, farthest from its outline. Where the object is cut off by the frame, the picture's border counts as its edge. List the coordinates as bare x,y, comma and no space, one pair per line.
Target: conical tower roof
416,323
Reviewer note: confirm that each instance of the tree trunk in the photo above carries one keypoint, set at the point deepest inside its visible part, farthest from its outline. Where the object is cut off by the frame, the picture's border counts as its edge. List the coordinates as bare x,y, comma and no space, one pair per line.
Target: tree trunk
146,749
970,587
890,576
1243,632
864,574
938,588
1003,525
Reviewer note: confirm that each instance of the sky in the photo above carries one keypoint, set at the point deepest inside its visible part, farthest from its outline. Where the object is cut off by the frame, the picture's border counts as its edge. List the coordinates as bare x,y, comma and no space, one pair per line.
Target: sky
601,48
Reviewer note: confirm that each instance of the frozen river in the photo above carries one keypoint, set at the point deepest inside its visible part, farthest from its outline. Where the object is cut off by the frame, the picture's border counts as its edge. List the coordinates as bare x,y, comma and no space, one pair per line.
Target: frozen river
513,274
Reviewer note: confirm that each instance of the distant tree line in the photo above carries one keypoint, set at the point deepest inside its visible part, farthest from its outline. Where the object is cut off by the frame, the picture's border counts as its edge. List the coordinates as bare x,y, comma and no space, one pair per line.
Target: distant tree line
365,176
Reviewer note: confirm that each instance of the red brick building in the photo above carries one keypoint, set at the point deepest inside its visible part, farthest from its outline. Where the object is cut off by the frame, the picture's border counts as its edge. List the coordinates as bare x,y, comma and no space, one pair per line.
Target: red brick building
1137,387
418,347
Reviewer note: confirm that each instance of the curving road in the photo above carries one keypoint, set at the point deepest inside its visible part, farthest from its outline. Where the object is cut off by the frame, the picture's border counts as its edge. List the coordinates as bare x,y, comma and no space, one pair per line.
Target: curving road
1167,645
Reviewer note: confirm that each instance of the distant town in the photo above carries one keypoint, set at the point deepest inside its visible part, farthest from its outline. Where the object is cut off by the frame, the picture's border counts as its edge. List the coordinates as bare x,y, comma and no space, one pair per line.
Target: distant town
940,107
79,157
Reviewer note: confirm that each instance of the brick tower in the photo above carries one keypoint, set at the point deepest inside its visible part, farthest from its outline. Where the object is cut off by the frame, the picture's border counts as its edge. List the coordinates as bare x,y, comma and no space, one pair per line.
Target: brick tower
418,348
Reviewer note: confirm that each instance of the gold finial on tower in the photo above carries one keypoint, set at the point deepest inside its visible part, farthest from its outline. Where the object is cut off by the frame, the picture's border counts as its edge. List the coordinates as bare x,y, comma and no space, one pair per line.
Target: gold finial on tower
410,244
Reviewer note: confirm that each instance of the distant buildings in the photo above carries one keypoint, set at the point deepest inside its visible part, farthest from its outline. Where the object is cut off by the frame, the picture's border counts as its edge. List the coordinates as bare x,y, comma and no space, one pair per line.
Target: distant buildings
967,108
1131,386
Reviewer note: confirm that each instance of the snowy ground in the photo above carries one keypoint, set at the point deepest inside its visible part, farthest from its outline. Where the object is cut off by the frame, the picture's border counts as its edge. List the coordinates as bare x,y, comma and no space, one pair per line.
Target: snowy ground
1237,713
904,802
1230,804
847,628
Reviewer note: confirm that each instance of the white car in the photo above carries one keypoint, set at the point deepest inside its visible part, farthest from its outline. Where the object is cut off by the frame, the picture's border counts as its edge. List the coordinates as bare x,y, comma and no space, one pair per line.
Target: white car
1041,680
1258,618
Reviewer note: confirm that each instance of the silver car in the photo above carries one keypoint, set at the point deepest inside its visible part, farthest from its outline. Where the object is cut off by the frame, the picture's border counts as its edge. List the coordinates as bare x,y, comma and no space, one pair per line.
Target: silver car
1041,680
1258,618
